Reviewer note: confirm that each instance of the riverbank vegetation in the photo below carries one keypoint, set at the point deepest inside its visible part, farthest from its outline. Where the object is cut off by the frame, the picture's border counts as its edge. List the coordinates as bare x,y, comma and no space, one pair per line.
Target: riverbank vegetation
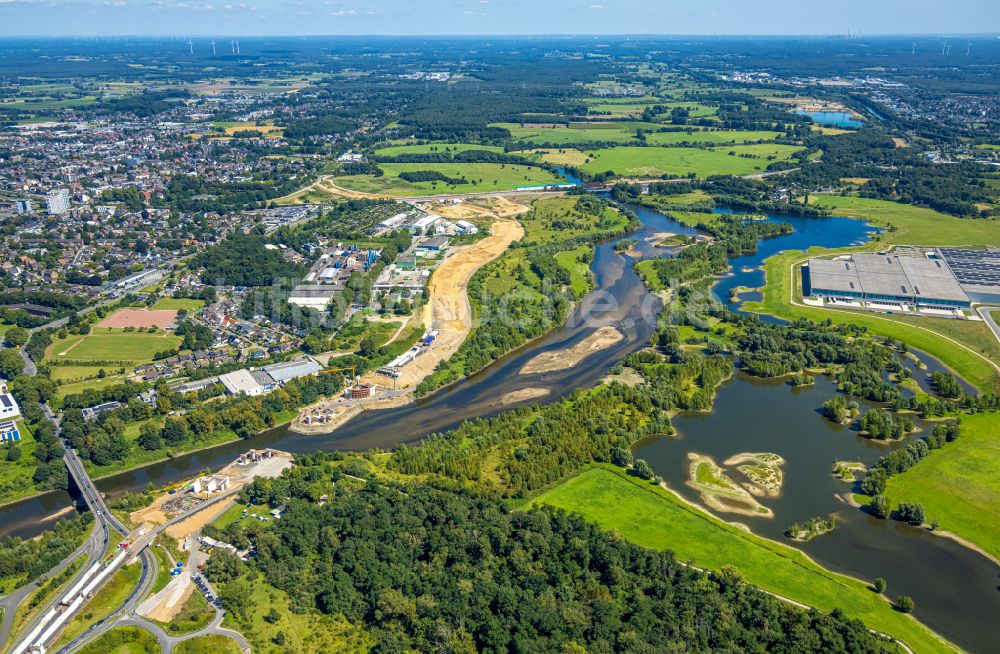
23,561
529,290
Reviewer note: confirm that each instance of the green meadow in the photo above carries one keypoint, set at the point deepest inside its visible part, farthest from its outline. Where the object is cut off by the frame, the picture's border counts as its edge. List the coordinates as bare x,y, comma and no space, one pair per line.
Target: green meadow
678,162
481,178
653,517
959,484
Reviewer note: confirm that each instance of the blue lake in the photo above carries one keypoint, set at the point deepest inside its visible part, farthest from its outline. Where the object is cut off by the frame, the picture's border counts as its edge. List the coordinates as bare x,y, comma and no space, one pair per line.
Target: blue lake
833,118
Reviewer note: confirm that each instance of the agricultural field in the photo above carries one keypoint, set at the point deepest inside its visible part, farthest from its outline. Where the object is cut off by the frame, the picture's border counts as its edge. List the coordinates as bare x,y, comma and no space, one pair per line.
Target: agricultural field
111,345
911,225
481,178
653,517
621,108
591,132
959,484
714,136
434,148
678,162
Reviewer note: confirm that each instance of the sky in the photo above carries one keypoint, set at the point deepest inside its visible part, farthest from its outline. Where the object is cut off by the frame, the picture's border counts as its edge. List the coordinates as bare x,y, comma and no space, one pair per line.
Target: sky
473,17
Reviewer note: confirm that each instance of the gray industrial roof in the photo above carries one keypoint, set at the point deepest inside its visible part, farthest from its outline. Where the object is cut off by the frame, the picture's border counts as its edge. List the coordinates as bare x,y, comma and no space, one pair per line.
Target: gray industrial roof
888,275
291,369
831,275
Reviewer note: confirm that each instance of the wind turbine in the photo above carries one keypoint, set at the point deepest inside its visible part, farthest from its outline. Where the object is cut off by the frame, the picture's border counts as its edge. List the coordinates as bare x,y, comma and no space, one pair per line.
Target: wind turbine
237,47
232,44
190,46
944,47
913,50
213,47
968,49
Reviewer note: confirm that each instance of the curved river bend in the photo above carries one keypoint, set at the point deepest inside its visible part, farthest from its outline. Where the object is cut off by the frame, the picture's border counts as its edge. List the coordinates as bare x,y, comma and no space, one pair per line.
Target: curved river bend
956,589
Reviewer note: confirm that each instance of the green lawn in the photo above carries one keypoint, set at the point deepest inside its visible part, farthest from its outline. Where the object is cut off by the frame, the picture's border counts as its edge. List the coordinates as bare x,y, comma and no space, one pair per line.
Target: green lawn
618,107
678,162
964,346
211,644
914,225
481,177
959,485
112,345
230,515
434,148
579,272
123,640
186,304
653,517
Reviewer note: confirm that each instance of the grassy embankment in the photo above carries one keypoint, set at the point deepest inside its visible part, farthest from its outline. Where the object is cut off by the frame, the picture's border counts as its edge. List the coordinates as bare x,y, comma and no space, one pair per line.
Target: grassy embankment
967,347
653,517
959,484
107,599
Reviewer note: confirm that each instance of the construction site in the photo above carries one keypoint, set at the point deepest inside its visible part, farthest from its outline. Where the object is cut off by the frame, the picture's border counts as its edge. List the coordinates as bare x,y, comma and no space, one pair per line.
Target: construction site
447,319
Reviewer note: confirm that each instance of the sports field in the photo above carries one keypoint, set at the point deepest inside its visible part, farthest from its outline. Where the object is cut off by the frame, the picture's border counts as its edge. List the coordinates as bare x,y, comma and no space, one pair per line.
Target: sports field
480,178
678,162
107,345
139,318
653,517
177,304
959,484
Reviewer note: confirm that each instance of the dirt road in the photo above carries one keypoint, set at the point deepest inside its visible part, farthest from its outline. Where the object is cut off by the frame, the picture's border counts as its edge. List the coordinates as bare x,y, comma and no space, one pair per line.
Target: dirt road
448,309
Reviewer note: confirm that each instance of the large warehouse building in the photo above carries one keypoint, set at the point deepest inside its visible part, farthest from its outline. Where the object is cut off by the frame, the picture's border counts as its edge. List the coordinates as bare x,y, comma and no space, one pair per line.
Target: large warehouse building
887,279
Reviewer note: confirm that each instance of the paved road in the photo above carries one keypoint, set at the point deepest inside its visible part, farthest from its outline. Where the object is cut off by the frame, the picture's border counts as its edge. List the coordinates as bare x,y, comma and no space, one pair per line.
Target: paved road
91,549
986,313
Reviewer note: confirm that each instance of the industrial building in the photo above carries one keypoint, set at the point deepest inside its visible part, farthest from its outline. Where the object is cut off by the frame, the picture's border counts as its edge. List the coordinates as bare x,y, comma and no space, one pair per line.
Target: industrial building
888,280
978,271
268,378
314,296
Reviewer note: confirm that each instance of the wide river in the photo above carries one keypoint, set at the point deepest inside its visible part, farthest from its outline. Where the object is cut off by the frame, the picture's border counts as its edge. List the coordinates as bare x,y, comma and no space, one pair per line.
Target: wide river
956,589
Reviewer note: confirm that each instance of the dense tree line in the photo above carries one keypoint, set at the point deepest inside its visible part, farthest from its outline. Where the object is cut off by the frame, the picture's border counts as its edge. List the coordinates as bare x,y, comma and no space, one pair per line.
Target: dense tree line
26,560
429,570
242,260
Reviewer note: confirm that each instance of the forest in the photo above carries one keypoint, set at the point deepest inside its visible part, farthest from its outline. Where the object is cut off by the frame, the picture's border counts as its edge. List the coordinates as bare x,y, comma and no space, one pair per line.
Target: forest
430,570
